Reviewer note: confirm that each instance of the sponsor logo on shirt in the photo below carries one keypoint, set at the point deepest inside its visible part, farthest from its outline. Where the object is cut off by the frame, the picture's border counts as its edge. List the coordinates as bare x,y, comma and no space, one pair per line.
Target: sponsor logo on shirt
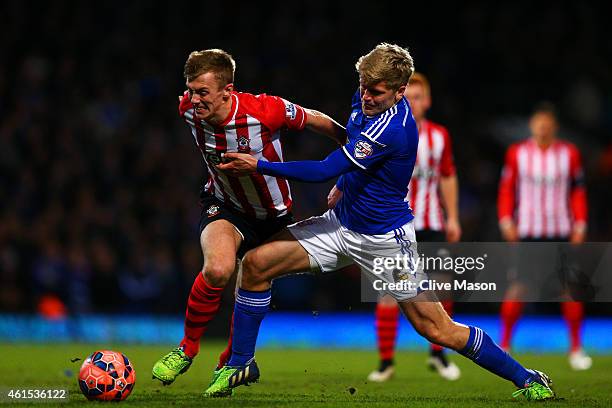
363,149
213,158
423,173
400,275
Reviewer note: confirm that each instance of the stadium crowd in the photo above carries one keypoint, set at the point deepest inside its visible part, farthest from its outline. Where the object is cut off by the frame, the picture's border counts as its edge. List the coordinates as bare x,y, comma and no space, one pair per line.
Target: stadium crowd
99,178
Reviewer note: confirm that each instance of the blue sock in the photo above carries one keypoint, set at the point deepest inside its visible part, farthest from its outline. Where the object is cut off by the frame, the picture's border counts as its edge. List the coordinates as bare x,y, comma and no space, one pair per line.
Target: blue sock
249,311
482,350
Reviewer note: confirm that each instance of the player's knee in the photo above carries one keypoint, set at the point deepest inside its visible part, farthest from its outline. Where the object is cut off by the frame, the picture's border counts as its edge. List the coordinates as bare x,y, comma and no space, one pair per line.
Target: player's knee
387,301
252,269
432,332
217,274
447,334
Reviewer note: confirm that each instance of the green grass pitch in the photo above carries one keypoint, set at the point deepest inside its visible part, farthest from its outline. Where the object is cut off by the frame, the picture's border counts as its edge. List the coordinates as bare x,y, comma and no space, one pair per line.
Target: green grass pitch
304,378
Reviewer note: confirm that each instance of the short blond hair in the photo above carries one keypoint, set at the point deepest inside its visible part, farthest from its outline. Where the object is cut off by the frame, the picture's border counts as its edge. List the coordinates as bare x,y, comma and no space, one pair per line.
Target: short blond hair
419,79
213,60
387,62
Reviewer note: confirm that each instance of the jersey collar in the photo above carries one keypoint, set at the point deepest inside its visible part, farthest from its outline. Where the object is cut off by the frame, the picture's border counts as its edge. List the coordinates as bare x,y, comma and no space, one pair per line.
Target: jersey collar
232,113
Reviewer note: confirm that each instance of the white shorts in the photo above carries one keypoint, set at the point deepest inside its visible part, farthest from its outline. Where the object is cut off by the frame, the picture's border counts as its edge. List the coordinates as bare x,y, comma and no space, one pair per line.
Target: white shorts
334,247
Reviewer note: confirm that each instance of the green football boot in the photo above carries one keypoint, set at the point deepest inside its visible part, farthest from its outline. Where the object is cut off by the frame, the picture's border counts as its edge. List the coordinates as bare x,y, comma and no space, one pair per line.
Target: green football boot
227,378
537,388
171,366
215,376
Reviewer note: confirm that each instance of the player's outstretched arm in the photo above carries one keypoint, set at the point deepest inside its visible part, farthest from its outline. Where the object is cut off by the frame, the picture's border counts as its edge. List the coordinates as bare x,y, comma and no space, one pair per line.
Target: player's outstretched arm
321,123
309,171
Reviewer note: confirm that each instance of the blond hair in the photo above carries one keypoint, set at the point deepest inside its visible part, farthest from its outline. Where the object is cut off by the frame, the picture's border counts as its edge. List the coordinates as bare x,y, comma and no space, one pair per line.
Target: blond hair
387,62
214,60
419,79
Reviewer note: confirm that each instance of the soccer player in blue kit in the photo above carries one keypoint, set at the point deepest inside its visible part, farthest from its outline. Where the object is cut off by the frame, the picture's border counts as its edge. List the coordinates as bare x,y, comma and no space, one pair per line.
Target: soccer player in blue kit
371,221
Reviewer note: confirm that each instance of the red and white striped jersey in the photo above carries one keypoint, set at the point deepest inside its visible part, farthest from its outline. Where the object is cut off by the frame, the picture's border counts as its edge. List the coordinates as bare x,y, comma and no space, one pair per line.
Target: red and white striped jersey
542,189
252,126
434,159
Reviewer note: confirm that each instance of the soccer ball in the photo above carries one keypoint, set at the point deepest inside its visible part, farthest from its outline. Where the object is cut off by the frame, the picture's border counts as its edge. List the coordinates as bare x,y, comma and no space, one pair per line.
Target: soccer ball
107,376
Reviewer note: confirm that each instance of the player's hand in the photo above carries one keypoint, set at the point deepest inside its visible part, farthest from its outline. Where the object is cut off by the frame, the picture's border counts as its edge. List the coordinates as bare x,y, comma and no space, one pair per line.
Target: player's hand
238,164
453,230
509,231
333,197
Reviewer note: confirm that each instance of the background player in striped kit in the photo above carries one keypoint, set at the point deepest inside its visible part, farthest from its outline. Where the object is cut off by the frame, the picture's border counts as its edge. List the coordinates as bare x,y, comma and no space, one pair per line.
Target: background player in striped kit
237,214
434,179
542,198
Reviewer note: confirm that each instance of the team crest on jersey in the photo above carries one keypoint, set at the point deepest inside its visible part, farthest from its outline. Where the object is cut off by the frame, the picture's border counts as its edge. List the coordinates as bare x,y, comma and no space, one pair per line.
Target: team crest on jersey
212,210
243,145
363,149
290,110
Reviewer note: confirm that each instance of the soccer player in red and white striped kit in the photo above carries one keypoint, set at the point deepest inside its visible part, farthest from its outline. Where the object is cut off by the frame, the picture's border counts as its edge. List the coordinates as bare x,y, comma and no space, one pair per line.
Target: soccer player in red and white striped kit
237,213
433,194
542,198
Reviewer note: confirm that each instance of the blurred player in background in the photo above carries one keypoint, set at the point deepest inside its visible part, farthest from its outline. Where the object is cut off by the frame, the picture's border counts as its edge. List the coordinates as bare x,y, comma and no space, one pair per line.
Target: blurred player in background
237,213
433,186
373,220
542,198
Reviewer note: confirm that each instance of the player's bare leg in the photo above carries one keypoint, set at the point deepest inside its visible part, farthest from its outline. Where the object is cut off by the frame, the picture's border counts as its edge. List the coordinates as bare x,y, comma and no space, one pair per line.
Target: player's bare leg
219,242
281,256
387,324
438,360
432,322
